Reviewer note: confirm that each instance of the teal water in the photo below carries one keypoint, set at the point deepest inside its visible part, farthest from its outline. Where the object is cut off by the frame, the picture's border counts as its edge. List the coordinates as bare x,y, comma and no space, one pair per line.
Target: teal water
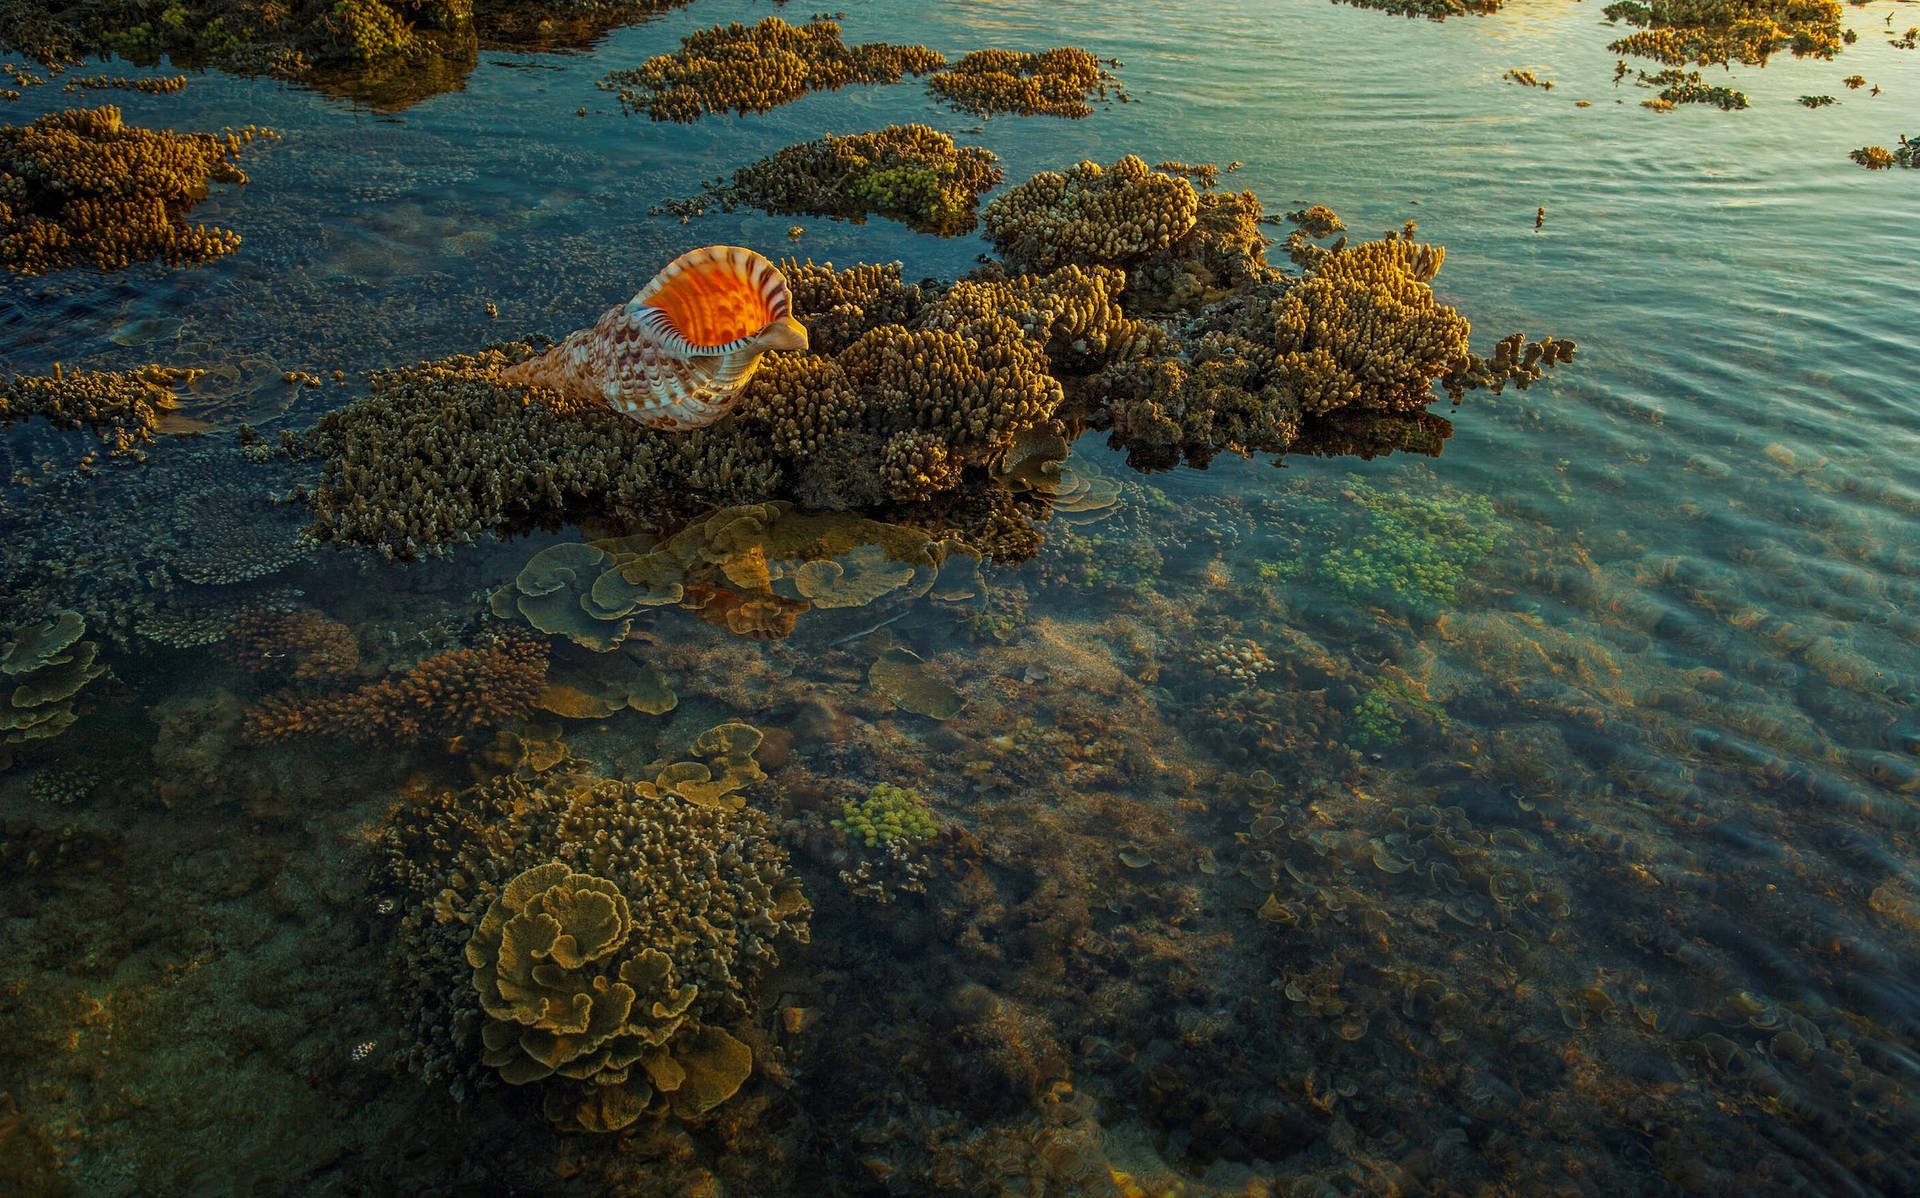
1563,843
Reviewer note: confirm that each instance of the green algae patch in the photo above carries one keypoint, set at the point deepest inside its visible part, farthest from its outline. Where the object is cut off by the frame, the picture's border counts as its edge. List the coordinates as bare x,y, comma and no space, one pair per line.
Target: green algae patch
1393,548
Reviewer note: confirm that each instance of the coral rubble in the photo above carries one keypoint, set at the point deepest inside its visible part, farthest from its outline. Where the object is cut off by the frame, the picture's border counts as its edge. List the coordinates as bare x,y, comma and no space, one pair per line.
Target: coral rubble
81,186
740,68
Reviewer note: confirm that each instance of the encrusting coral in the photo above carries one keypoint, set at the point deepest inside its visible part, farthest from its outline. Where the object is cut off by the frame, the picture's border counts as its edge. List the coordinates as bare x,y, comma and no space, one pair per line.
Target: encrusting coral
1128,302
81,186
911,173
740,68
591,936
443,696
1056,82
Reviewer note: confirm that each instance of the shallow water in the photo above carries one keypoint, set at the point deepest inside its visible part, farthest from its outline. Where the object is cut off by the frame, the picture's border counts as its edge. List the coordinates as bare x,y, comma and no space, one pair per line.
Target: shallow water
1561,838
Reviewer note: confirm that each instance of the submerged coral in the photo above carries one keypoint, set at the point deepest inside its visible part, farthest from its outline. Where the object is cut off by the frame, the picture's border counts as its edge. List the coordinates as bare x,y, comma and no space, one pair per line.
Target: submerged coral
81,186
595,937
740,68
443,696
45,666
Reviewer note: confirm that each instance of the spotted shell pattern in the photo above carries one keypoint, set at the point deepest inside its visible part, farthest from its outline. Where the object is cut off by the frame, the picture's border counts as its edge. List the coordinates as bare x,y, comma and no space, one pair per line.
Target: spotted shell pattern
678,354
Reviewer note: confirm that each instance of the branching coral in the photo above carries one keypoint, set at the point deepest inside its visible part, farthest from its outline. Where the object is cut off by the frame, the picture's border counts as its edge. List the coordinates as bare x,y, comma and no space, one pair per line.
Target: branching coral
590,936
1717,32
1090,215
1056,82
909,172
81,186
302,645
122,406
446,695
740,68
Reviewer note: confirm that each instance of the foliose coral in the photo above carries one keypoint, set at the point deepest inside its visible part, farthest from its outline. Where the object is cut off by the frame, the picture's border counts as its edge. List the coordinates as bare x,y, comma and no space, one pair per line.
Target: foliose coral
590,936
81,186
740,68
45,666
1056,82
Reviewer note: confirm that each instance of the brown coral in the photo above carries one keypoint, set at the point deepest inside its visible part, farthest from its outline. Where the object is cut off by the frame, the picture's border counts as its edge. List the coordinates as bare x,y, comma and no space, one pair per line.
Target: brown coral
81,186
442,696
123,406
304,645
740,68
1056,82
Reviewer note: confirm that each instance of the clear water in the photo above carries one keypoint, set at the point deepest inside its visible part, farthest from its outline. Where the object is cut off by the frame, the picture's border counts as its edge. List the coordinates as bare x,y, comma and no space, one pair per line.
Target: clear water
1619,894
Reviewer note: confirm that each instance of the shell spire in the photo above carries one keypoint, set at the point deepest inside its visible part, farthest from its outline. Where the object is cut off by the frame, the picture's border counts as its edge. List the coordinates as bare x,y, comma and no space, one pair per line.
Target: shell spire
678,354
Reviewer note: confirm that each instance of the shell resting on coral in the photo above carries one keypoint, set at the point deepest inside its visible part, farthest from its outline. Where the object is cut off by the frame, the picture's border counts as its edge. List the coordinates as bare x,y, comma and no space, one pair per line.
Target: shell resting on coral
677,355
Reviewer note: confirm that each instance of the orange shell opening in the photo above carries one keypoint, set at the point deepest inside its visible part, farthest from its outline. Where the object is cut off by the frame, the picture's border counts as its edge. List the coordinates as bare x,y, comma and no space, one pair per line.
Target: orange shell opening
710,302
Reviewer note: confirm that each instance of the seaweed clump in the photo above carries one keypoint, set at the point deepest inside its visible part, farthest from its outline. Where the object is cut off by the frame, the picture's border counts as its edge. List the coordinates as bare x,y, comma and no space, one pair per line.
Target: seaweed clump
1720,32
1056,82
81,186
911,173
757,68
592,936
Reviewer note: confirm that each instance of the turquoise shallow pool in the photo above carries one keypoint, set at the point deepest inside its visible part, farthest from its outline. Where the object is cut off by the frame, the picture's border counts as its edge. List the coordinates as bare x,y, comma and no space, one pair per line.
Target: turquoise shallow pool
1535,817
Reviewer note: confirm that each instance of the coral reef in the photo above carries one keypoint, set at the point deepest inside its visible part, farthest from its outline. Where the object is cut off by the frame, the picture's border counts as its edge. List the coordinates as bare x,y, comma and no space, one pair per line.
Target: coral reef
911,173
443,696
124,407
80,186
1688,87
1056,82
592,936
739,68
919,402
1718,32
1434,10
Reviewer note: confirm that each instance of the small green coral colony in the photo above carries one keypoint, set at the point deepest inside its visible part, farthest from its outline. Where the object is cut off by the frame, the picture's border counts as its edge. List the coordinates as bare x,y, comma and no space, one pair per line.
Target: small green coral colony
888,815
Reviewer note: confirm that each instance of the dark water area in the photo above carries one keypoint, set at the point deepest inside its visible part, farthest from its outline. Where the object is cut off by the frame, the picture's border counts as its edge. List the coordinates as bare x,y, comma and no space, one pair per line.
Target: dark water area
1537,817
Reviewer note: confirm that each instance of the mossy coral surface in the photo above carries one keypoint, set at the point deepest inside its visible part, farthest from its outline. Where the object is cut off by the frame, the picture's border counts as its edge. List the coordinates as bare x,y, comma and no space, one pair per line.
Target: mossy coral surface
83,187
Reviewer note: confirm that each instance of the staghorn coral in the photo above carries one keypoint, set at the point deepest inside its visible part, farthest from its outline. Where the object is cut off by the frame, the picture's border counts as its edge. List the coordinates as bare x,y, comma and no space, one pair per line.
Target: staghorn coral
124,407
911,173
1719,32
740,68
1056,82
442,696
589,936
81,186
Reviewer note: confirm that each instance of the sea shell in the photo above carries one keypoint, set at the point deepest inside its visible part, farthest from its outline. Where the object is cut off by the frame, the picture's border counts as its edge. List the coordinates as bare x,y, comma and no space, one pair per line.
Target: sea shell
677,355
